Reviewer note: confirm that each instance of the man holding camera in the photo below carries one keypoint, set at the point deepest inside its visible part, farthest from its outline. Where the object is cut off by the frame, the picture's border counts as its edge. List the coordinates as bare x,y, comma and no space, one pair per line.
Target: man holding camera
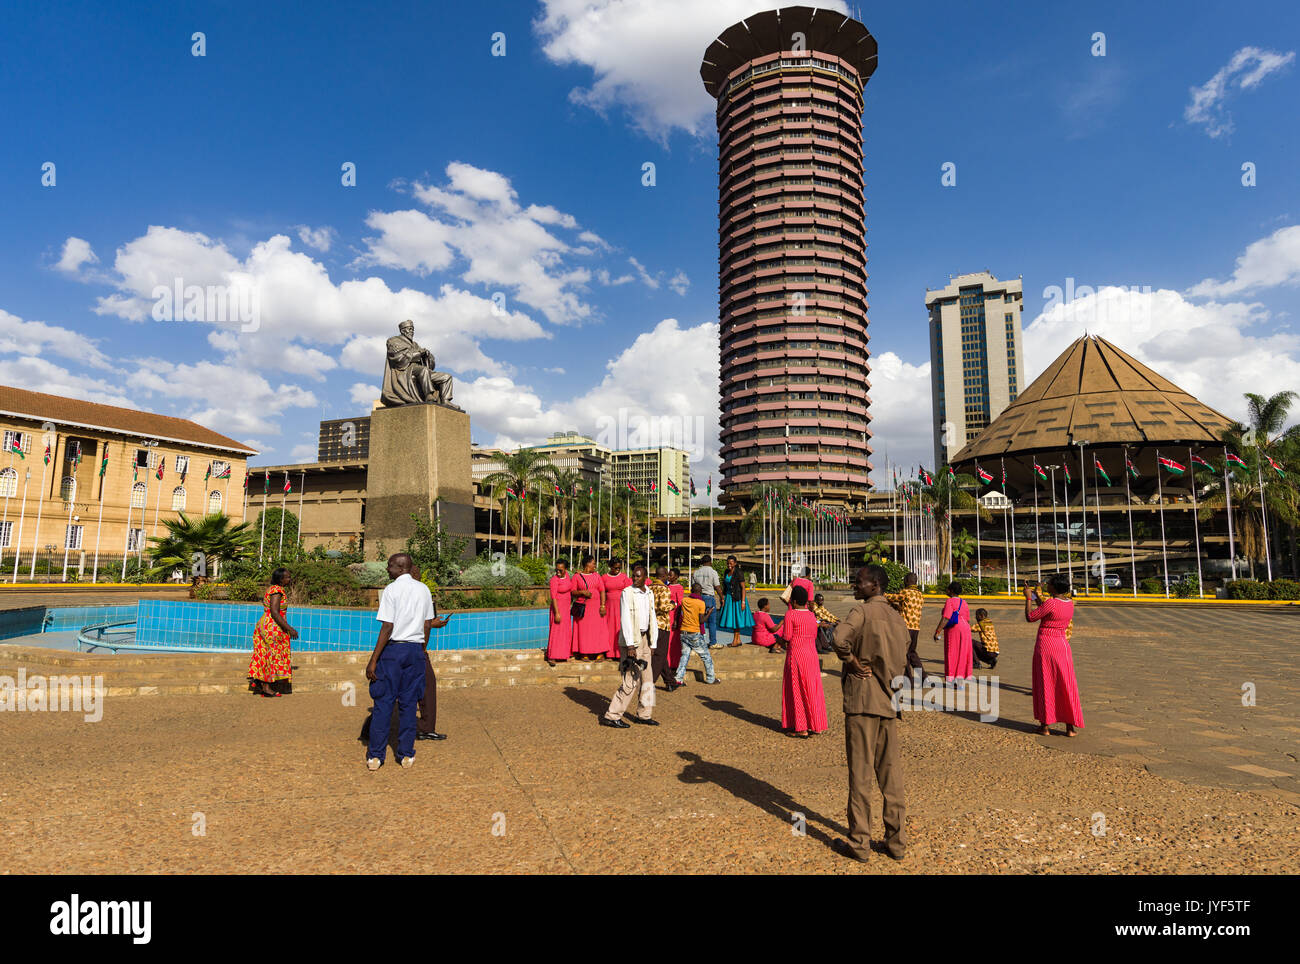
640,637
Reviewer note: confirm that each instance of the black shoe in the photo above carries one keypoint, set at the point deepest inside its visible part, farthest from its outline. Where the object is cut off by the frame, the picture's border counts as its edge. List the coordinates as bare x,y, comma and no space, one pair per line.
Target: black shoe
843,848
616,724
637,719
431,736
993,665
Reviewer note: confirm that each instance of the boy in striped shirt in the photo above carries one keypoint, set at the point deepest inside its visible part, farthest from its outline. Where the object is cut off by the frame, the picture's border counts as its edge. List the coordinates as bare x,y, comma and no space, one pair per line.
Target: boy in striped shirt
987,647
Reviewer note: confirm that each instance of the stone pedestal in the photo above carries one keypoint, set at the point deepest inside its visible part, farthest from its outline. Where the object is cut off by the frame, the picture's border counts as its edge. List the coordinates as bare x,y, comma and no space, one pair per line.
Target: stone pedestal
419,456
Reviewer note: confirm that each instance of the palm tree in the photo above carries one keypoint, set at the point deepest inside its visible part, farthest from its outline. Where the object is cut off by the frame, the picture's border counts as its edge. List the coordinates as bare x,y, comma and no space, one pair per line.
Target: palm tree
522,472
199,546
963,547
565,502
877,548
762,521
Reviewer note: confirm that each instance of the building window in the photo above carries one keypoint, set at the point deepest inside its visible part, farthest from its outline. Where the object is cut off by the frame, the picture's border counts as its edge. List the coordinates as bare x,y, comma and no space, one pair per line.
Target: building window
21,439
137,496
8,483
134,540
6,531
182,466
142,458
214,501
72,538
178,499
68,489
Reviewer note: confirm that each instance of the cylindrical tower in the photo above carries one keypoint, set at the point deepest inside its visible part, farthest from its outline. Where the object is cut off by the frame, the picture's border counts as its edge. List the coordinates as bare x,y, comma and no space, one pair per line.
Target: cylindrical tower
792,252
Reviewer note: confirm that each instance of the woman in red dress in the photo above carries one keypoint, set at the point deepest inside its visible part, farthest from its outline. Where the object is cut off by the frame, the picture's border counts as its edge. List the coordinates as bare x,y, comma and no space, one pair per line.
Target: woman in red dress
614,584
803,702
559,641
954,623
591,632
271,636
1056,691
678,593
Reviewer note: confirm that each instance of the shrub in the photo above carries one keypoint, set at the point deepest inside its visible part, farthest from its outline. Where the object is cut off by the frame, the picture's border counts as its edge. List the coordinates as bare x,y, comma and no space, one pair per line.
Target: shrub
243,590
537,568
993,586
323,584
1152,586
1187,587
1284,589
896,572
137,571
205,591
489,598
1247,589
483,574
371,575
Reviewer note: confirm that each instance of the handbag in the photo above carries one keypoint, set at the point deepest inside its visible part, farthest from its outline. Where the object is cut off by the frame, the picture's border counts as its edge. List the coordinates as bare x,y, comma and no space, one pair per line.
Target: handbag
578,607
785,596
952,620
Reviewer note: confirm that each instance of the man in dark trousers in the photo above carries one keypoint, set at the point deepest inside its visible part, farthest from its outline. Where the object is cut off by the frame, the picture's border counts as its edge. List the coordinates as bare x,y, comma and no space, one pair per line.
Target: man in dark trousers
872,644
909,603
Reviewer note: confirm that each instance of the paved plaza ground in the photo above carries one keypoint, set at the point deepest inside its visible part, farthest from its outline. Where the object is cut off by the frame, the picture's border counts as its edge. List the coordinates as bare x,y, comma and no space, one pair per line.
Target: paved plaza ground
1182,776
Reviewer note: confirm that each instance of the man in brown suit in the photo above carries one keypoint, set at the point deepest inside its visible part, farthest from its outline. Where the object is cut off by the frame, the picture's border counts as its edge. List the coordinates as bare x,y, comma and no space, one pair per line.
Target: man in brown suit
872,643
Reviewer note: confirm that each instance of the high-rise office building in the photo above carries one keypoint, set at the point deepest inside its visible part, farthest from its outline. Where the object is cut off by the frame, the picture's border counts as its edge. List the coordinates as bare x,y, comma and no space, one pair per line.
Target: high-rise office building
977,363
792,252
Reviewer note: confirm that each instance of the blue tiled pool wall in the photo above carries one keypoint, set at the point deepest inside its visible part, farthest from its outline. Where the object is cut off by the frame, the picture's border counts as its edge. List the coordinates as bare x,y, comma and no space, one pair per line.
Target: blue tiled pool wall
166,622
21,622
60,618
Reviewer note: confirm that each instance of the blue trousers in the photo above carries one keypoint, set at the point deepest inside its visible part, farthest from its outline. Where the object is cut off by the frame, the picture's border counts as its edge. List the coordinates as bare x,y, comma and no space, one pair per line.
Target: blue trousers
399,679
712,603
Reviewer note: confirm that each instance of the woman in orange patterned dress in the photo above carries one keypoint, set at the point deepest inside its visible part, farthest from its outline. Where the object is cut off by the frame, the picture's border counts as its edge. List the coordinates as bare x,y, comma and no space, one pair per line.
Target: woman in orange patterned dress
270,662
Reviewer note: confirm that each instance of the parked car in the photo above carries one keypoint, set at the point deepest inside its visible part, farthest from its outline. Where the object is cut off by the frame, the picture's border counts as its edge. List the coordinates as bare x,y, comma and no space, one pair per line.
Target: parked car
1111,580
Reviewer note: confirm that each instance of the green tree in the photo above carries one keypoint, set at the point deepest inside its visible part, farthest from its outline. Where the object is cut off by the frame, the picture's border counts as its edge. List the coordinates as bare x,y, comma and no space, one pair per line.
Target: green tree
199,547
960,488
522,472
269,538
877,548
963,547
436,552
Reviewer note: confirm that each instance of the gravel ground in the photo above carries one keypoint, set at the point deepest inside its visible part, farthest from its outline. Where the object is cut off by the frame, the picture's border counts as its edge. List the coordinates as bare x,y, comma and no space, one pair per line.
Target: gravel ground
528,783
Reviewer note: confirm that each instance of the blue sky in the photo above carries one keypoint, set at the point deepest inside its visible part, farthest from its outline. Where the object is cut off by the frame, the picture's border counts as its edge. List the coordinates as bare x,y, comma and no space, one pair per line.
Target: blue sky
520,176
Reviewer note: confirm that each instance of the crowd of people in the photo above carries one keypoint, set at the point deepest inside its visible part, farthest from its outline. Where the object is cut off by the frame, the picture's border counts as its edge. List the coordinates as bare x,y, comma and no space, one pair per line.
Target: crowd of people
653,625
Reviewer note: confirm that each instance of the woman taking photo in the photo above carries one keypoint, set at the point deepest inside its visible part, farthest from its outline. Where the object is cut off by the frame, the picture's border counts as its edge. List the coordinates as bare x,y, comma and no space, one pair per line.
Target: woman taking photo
270,663
735,610
1056,691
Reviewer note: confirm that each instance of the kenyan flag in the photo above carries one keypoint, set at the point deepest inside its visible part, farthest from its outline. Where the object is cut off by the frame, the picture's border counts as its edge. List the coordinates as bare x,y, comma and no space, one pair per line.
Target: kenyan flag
631,487
951,474
1132,469
983,476
1038,469
47,455
208,474
162,464
926,477
103,465
558,490
654,486
224,473
1172,466
1067,473
1100,471
288,487
692,488
708,490
1276,468
510,493
672,487
266,482
1235,460
16,447
1197,460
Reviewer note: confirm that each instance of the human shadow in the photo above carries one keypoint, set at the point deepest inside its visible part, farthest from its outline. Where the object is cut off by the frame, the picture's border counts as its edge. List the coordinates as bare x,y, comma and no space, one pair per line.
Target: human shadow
732,708
595,702
758,793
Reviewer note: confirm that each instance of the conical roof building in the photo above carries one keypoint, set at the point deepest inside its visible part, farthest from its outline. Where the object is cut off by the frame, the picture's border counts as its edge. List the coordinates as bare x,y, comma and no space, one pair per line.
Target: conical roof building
1101,396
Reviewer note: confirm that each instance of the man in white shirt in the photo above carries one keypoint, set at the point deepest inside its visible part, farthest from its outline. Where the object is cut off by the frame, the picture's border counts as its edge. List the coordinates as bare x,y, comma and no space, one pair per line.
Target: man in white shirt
396,667
640,636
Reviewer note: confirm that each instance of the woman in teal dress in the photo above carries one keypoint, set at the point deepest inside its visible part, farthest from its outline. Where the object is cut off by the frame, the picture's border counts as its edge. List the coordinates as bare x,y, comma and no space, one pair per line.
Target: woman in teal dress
735,614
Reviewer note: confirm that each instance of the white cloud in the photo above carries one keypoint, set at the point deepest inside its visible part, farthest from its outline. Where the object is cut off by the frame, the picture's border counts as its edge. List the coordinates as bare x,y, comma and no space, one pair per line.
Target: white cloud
902,431
645,56
36,337
39,375
1266,263
363,394
410,240
76,252
1245,71
646,278
1215,351
679,282
306,452
318,238
507,414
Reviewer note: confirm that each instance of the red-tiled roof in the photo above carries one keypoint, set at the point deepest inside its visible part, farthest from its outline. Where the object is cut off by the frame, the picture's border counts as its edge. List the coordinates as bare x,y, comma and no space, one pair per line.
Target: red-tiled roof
73,413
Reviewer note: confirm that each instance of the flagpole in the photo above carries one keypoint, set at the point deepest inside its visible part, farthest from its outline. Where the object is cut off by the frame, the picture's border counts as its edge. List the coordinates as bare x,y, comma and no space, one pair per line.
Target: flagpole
21,516
1101,552
162,467
1038,546
261,541
1227,491
68,531
40,504
649,528
1160,498
1263,511
99,528
243,499
7,498
302,491
1196,524
139,547
1083,512
1132,549
284,510
1069,549
979,558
